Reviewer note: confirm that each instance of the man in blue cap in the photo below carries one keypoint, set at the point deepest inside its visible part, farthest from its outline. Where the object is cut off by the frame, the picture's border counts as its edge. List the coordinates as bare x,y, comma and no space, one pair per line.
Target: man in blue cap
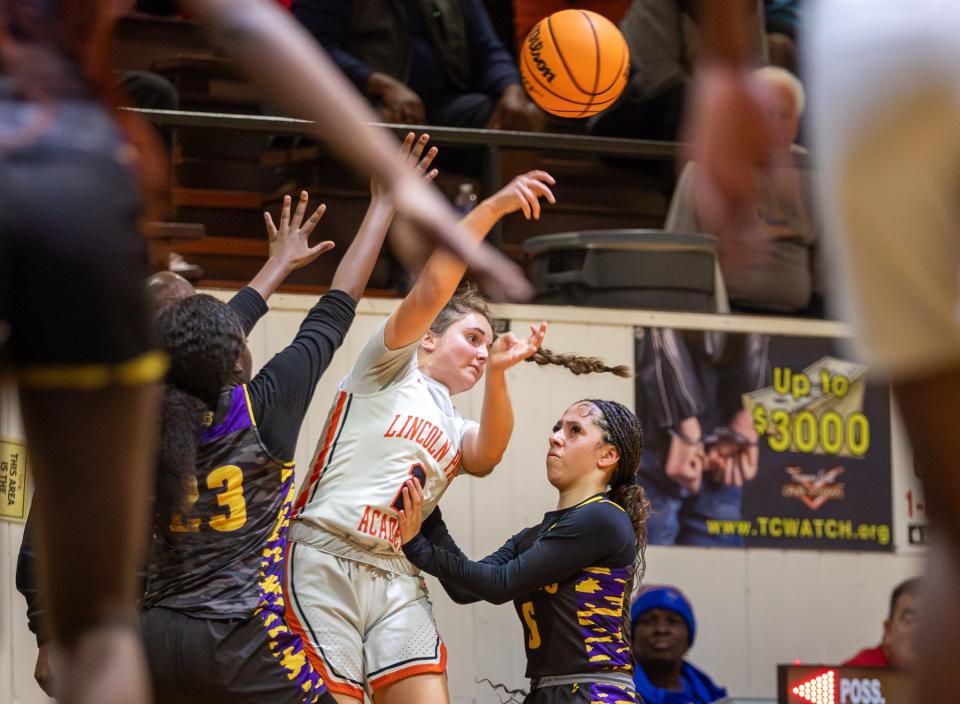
663,631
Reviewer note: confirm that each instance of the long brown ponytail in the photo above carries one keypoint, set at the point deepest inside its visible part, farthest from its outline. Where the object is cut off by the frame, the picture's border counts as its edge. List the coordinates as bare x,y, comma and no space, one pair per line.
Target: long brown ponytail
577,364
468,299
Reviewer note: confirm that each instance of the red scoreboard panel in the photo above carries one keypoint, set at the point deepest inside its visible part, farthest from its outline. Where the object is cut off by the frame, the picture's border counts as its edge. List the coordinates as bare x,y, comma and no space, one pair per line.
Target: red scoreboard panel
829,684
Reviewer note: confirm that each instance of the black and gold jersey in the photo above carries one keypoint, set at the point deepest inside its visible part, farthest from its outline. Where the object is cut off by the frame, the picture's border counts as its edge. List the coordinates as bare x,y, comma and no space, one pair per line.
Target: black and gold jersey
222,556
567,577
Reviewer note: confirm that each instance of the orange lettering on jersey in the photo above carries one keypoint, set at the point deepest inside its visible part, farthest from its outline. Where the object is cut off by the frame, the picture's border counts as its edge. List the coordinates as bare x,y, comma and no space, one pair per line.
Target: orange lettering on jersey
395,534
411,434
424,433
441,451
431,440
381,525
451,469
364,524
390,432
429,428
402,430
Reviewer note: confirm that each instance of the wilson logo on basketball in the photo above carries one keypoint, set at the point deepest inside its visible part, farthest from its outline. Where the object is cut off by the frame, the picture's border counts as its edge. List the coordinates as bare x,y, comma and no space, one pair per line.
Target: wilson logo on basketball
574,63
536,46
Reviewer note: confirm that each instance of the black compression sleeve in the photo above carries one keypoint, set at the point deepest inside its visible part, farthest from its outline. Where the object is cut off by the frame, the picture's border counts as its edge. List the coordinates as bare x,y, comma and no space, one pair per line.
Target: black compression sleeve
250,306
581,538
27,583
281,392
435,530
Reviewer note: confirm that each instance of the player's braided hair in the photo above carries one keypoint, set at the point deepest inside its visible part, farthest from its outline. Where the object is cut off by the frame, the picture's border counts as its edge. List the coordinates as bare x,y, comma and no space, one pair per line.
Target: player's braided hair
204,340
468,300
577,364
622,430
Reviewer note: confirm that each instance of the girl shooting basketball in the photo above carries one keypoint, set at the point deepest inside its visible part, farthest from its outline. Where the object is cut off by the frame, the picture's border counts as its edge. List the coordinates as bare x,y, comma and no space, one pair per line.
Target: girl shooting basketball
351,592
352,595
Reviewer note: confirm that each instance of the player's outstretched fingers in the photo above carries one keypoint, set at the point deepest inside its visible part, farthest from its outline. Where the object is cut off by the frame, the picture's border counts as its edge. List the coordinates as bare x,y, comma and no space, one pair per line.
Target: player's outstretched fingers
425,162
522,198
418,147
543,190
285,214
300,211
531,198
537,333
271,228
314,219
541,175
318,249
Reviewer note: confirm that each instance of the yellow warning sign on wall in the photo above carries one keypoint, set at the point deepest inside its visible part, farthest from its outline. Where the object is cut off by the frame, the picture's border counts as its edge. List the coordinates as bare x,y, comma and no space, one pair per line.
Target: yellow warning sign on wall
13,480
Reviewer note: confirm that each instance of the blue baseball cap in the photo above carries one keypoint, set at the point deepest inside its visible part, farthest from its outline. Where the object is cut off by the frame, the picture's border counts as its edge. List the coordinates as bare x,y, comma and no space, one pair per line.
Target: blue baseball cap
664,597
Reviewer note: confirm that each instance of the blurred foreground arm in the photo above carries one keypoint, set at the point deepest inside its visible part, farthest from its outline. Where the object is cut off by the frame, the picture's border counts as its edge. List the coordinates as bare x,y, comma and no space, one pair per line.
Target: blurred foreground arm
252,29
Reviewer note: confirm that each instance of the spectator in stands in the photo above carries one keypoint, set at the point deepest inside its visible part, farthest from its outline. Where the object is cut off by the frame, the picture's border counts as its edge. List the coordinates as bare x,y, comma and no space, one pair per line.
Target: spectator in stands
663,631
788,279
897,649
781,23
443,67
663,41
526,13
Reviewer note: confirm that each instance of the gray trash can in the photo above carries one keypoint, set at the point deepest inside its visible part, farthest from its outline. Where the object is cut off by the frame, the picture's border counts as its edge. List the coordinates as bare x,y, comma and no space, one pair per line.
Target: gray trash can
648,269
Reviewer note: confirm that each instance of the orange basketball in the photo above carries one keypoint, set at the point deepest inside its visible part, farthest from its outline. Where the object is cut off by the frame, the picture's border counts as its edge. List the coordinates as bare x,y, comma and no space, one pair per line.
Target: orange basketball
574,63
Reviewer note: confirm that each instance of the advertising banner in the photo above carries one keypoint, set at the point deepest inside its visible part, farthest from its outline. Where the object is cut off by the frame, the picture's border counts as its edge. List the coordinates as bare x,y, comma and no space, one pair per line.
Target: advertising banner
762,440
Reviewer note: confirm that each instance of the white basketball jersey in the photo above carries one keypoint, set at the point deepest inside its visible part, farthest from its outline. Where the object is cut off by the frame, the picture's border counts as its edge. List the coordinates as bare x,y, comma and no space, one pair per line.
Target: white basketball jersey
388,420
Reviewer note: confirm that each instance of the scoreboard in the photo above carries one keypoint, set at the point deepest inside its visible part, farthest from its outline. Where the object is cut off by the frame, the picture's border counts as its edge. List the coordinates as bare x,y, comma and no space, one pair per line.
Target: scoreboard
834,684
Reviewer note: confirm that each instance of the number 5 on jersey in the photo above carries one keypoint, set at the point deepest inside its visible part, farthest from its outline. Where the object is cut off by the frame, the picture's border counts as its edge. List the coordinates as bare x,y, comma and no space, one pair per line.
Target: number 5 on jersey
526,608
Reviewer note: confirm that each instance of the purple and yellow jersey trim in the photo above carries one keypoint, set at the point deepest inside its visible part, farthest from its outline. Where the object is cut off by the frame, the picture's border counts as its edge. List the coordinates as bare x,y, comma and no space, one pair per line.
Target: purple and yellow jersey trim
603,693
239,417
285,645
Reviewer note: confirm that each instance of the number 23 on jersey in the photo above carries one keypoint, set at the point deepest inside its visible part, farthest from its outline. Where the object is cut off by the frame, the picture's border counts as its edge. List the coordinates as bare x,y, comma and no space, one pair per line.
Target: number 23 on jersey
227,482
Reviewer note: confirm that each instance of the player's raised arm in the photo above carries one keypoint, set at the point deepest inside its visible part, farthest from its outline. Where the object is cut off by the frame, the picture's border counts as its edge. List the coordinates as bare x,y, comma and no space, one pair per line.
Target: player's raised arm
354,271
442,273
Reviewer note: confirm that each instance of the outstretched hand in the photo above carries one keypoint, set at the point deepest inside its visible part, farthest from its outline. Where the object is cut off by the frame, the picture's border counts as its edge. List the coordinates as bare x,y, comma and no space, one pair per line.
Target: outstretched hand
410,518
523,193
508,350
289,243
418,159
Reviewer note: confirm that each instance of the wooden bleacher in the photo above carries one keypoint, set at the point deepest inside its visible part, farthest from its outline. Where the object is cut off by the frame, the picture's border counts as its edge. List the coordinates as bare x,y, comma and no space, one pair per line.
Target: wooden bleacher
229,162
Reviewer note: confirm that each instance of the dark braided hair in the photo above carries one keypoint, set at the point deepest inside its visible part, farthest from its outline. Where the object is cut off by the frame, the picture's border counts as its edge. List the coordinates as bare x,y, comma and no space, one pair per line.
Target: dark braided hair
468,300
622,430
204,339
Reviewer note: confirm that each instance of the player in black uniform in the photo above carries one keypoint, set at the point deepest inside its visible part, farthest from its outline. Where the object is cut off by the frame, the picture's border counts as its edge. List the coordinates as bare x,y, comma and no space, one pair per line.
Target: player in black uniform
213,619
77,340
74,324
289,250
572,576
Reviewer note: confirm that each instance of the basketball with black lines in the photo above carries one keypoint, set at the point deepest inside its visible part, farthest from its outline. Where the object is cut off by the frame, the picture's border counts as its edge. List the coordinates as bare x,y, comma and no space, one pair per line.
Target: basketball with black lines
574,63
